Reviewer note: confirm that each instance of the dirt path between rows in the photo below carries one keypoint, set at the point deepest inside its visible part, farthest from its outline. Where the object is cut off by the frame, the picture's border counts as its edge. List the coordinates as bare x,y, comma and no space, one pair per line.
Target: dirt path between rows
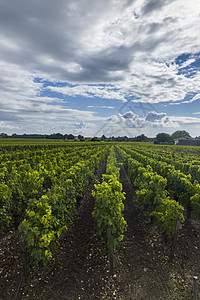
80,269
143,265
141,268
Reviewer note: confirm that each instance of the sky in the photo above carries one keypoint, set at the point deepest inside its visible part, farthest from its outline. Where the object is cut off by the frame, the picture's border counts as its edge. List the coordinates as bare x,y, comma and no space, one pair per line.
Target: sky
107,67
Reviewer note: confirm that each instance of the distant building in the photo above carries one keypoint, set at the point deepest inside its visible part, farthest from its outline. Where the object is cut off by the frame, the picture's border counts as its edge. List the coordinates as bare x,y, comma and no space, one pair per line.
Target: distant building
177,140
185,141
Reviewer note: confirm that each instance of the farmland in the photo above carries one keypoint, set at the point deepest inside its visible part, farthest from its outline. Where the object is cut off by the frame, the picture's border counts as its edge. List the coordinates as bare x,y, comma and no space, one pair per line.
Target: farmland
58,200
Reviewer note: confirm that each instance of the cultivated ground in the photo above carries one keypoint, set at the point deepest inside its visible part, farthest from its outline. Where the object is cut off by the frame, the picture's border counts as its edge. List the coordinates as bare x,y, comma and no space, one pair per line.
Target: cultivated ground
80,269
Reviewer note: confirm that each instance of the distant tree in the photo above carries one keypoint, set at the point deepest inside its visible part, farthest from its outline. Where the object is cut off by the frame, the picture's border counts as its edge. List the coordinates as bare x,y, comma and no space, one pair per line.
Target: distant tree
56,136
70,137
180,133
141,138
163,138
103,138
125,138
81,137
3,135
95,139
121,138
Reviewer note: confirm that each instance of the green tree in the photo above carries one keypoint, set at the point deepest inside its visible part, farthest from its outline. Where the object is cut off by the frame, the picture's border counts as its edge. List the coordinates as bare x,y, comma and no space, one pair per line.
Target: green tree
70,137
3,135
81,137
163,137
95,139
103,138
180,133
140,138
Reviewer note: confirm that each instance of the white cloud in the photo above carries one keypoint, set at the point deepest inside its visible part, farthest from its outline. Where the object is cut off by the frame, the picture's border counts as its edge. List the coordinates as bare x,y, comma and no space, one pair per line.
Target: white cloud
196,97
90,91
185,120
108,107
79,125
187,63
7,126
102,106
132,120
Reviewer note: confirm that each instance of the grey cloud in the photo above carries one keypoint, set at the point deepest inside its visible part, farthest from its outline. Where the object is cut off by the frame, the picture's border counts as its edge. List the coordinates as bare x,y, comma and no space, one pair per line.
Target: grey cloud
152,5
154,116
154,27
129,3
169,20
80,125
9,116
48,35
39,28
129,115
52,30
97,67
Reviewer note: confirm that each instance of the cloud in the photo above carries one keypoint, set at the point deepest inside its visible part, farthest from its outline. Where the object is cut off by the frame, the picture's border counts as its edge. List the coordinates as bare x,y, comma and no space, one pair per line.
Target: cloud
96,49
196,97
96,41
132,120
108,107
79,125
154,116
185,120
7,126
154,5
90,91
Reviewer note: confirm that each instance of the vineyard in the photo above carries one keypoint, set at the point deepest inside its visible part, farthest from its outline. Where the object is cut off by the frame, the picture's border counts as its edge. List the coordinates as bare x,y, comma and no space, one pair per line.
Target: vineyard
87,220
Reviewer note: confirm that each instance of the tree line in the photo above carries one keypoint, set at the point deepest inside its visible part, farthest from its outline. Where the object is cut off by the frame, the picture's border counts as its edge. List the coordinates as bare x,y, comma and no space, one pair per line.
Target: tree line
160,137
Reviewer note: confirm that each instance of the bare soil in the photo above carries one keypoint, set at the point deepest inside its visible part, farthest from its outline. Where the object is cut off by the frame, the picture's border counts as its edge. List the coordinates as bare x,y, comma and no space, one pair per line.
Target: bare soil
80,267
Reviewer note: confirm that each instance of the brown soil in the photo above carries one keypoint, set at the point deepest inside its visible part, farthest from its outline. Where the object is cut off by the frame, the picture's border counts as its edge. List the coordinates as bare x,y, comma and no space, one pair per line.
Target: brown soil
80,269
